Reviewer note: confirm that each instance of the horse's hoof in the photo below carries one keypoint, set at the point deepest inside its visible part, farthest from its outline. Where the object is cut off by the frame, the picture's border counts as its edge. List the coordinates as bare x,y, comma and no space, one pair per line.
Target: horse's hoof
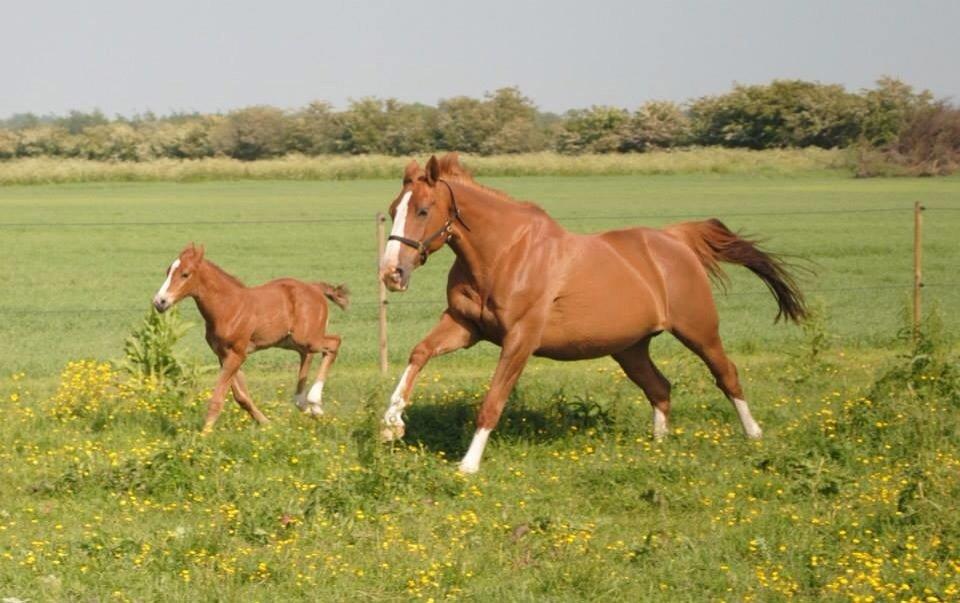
468,469
314,410
389,433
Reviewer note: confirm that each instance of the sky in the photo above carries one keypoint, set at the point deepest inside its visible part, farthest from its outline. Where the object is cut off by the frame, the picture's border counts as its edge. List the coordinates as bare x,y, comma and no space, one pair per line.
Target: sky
131,56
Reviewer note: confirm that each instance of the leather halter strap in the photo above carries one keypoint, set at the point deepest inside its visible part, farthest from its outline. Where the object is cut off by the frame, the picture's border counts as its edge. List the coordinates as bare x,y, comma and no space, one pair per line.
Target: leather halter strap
423,247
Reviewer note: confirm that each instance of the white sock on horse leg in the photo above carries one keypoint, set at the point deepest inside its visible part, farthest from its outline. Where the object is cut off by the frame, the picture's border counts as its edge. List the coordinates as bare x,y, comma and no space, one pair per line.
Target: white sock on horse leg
471,461
750,426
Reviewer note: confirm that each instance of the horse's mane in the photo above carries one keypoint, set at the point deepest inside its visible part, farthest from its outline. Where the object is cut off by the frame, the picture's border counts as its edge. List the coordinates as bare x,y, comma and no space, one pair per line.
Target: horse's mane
451,169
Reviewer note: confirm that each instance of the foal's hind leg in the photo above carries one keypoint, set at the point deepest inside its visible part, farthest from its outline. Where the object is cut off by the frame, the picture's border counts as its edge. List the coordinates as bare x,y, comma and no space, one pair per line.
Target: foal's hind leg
242,395
638,366
710,349
314,401
300,398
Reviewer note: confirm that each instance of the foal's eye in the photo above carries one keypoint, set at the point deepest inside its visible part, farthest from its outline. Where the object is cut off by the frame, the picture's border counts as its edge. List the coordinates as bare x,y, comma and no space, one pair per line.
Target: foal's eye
422,212
184,274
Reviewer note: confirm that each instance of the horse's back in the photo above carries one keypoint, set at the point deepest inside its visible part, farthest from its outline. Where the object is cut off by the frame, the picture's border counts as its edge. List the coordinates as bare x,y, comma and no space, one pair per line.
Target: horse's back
688,297
613,294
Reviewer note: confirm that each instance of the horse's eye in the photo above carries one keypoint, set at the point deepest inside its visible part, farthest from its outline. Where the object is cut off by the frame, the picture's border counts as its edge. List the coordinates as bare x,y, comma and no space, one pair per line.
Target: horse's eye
185,274
422,212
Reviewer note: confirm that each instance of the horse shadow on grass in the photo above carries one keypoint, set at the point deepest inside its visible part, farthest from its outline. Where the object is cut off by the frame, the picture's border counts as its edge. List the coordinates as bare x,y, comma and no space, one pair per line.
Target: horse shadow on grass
448,426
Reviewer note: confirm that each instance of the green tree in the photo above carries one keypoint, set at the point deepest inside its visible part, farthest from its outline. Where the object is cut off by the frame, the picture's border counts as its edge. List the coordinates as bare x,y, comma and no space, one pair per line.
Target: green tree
316,129
784,113
251,133
888,108
657,125
464,124
594,130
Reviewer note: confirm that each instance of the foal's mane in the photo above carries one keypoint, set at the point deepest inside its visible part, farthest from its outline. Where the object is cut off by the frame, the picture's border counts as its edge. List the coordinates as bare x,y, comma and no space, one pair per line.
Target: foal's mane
223,273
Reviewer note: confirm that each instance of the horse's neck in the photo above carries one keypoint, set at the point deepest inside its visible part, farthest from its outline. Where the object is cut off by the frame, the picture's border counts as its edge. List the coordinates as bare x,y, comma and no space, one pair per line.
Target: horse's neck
496,225
216,294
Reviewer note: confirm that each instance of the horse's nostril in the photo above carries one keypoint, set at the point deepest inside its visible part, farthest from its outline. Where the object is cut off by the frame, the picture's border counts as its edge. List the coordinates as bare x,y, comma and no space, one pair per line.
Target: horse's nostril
398,274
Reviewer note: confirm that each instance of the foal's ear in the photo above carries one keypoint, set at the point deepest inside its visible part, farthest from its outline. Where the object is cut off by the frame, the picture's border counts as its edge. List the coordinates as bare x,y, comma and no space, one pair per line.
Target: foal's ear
200,251
433,170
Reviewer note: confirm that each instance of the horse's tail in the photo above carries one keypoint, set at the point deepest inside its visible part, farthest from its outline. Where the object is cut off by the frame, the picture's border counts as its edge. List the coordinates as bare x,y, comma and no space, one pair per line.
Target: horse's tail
339,295
713,242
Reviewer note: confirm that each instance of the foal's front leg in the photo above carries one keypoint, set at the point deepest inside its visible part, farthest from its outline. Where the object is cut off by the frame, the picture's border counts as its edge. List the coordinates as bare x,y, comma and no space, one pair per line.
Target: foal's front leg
448,335
230,362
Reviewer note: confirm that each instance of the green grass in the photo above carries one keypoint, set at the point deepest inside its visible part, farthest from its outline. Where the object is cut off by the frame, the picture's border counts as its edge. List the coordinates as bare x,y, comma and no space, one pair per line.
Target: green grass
111,493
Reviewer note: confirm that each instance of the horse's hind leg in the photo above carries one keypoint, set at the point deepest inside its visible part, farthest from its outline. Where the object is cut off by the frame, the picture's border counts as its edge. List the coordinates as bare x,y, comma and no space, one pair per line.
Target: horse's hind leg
638,366
330,345
300,398
710,349
242,395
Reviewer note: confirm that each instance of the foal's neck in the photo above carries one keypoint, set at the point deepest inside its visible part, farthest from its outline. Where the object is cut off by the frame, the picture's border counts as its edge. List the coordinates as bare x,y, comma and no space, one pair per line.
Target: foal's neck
217,292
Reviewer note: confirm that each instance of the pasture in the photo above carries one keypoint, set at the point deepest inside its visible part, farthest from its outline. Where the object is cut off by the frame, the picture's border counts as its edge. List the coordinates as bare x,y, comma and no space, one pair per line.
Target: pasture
111,494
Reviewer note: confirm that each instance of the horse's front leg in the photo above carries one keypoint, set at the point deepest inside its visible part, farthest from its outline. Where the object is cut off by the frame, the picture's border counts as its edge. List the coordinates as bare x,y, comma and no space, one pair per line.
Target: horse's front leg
448,335
513,358
230,362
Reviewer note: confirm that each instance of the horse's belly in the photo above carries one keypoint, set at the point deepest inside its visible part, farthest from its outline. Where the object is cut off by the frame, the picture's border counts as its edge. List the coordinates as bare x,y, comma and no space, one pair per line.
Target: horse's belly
577,329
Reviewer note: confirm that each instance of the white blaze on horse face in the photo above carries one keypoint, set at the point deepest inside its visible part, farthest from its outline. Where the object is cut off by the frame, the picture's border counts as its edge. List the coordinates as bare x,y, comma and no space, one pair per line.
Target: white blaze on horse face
391,253
166,283
471,460
750,426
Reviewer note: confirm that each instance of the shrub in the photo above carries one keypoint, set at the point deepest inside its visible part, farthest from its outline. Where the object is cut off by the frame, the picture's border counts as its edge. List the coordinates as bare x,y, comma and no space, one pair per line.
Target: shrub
149,349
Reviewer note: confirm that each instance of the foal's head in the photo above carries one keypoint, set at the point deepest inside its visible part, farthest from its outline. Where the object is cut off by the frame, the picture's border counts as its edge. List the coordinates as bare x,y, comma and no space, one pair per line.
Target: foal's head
181,278
423,217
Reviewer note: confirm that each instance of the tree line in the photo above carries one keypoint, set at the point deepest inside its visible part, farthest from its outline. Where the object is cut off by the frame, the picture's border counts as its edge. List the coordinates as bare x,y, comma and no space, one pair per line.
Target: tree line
891,117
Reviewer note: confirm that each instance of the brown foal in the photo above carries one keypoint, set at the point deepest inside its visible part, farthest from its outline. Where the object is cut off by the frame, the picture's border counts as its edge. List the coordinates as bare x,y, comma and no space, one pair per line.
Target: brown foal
526,284
284,313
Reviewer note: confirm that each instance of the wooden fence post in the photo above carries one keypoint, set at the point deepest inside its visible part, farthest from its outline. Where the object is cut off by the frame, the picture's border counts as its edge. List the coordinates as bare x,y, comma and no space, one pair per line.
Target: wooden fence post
917,266
382,305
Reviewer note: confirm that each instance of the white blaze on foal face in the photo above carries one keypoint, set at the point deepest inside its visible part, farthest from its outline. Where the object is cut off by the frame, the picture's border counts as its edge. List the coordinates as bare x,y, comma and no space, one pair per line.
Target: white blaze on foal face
161,300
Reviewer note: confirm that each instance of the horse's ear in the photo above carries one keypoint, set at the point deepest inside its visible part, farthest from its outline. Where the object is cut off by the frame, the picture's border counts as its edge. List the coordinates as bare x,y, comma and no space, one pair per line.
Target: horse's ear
410,172
200,254
433,170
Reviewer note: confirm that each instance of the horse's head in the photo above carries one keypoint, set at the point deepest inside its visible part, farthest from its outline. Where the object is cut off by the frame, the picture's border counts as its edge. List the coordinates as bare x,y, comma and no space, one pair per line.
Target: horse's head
423,216
181,278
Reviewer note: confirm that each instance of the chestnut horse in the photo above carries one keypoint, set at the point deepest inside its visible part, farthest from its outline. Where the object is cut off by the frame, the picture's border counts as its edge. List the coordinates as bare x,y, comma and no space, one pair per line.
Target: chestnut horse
523,282
284,313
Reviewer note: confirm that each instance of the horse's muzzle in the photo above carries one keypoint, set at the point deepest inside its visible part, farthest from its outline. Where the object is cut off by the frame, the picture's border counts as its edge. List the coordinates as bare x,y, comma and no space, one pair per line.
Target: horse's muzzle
396,279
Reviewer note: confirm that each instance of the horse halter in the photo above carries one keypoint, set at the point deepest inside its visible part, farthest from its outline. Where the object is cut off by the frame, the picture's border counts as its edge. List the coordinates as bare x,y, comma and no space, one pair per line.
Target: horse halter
423,247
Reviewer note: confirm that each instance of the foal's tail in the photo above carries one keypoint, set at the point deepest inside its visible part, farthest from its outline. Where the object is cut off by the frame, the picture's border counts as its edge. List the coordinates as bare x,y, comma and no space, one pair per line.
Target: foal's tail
339,295
713,242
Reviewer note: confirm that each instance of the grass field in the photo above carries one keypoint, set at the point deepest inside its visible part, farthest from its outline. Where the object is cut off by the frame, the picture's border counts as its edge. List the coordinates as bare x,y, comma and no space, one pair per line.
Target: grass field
111,494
